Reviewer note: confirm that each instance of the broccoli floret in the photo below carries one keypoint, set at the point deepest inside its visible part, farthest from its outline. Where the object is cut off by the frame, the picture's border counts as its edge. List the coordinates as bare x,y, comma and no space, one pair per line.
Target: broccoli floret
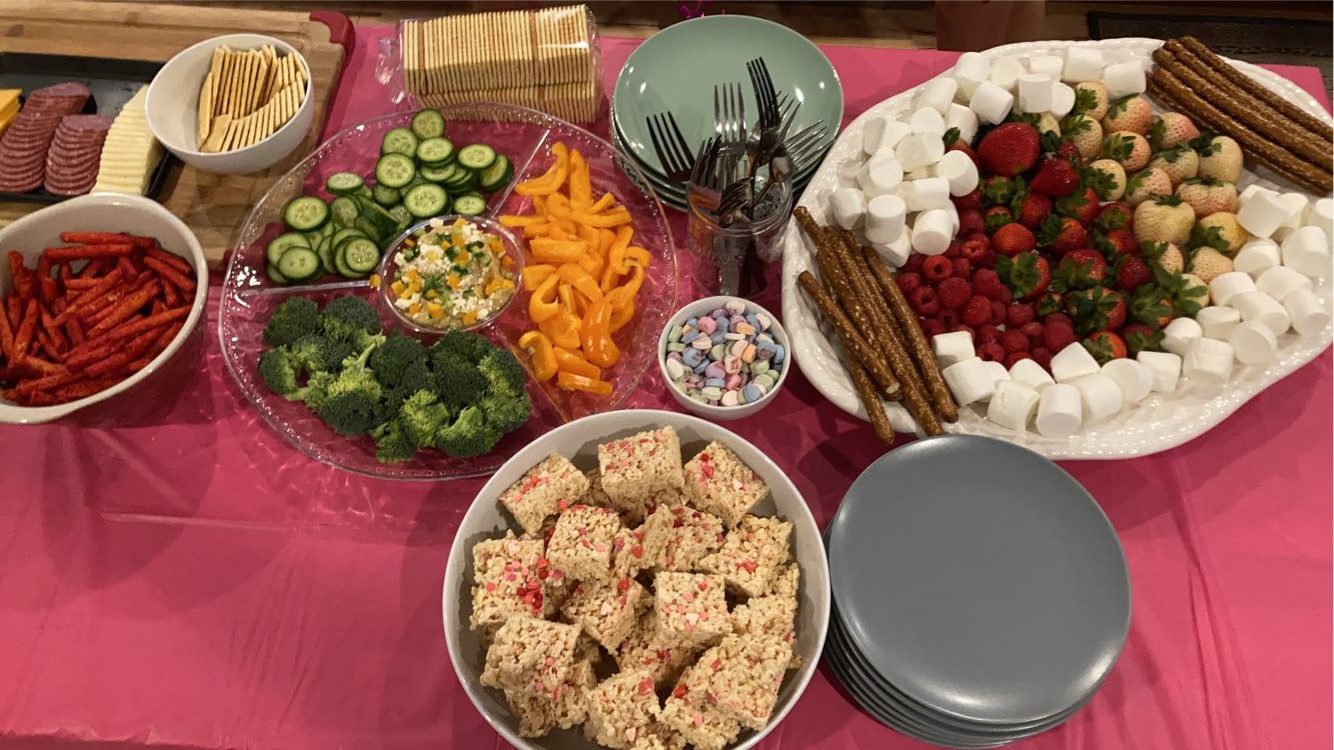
294,318
351,401
391,443
468,436
422,415
464,344
319,354
459,385
279,370
506,411
315,390
503,371
351,319
394,357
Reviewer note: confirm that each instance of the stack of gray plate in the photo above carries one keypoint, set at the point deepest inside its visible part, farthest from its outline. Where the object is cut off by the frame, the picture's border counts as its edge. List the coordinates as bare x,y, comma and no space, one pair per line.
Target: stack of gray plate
981,595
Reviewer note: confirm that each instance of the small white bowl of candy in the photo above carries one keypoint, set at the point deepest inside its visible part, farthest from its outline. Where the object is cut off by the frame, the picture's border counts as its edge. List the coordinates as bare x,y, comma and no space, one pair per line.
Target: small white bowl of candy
724,357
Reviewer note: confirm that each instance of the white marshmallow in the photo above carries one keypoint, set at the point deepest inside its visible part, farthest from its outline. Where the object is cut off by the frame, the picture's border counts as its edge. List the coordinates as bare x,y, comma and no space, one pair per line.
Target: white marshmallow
1006,71
1255,256
1073,362
1258,307
1321,214
963,118
1134,378
1123,79
924,195
950,209
848,205
1307,250
1062,100
885,216
1012,405
969,381
896,251
1253,344
883,132
1031,374
931,232
1178,334
997,371
1296,205
1307,311
956,168
1280,281
1207,360
1034,93
937,94
1101,396
991,103
1225,286
1060,411
1217,322
927,120
921,173
1262,214
1251,191
919,150
1166,368
1047,65
971,69
952,347
1082,64
882,175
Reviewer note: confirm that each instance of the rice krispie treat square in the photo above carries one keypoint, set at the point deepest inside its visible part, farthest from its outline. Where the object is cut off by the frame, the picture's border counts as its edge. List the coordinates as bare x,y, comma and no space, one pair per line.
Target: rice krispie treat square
622,709
650,649
787,584
691,608
719,483
659,737
566,707
751,555
531,655
595,496
606,611
681,536
692,712
766,615
511,578
630,554
636,467
581,544
746,673
543,491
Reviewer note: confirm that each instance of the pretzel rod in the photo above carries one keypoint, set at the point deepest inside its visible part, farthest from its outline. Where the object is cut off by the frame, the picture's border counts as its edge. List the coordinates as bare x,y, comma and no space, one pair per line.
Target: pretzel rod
852,341
882,328
915,337
875,410
839,290
1256,89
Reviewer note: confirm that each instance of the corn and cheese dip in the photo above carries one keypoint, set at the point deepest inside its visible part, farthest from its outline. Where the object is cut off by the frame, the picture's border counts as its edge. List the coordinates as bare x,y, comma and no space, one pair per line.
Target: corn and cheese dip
452,276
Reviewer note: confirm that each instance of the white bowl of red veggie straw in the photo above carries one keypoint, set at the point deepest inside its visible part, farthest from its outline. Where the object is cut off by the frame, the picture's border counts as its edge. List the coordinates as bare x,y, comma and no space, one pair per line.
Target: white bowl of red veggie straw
96,294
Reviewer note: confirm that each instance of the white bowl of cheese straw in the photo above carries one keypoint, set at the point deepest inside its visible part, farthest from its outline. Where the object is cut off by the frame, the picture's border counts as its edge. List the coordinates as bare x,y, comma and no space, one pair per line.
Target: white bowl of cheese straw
232,104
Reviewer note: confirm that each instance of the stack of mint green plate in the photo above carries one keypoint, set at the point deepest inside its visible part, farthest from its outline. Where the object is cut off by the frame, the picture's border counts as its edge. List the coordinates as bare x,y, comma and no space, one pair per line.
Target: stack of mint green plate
675,71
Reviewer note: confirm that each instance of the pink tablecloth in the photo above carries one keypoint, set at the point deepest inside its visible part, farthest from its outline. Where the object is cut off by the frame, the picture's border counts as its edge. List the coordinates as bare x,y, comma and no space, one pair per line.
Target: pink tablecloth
187,579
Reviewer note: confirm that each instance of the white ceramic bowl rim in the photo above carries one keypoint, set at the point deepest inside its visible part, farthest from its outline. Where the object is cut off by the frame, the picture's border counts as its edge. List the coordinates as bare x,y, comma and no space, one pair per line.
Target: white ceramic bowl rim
720,300
13,413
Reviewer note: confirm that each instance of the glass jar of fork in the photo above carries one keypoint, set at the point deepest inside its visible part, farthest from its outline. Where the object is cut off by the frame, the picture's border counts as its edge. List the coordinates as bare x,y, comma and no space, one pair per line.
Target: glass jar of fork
731,252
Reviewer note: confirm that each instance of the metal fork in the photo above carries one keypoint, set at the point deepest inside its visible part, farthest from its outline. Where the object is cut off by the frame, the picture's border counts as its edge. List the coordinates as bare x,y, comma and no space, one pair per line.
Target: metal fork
729,112
805,145
765,95
671,147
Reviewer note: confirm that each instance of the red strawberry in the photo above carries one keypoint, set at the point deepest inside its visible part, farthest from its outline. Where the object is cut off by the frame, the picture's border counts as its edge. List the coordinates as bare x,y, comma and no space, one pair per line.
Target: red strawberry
1013,358
970,222
1058,336
1132,273
1009,149
1033,211
997,217
987,333
1050,302
1082,207
954,292
1062,234
1042,355
976,311
1105,346
954,143
1014,341
998,191
1139,337
932,327
972,200
987,283
937,268
1033,330
1013,239
909,281
1116,316
963,268
1114,215
975,250
1056,177
1018,314
1118,242
992,352
1082,268
1096,308
1026,275
913,264
1070,152
924,301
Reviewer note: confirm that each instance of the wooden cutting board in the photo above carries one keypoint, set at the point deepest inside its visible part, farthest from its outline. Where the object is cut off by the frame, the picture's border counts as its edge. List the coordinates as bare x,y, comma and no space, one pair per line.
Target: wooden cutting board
214,206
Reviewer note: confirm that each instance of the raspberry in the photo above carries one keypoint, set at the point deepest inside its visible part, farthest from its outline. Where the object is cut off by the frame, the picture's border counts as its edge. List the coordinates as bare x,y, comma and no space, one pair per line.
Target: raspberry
1017,314
953,292
932,327
971,222
909,281
987,283
1014,341
1033,330
974,251
1013,357
1059,319
1042,355
1006,295
949,318
1056,336
992,352
976,311
997,312
987,333
914,263
937,268
952,250
924,301
963,268
961,327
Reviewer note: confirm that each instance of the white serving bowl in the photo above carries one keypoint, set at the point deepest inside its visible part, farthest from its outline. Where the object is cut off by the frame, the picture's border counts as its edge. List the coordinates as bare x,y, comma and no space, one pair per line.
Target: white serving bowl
706,305
103,212
578,441
172,109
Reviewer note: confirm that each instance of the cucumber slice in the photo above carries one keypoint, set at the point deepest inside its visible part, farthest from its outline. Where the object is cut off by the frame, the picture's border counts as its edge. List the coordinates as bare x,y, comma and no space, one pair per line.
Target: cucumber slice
394,170
343,234
306,213
275,276
384,223
477,156
428,123
435,151
366,227
343,183
425,201
402,215
438,174
300,264
497,175
461,182
275,250
345,210
339,266
360,255
325,251
469,204
386,196
399,141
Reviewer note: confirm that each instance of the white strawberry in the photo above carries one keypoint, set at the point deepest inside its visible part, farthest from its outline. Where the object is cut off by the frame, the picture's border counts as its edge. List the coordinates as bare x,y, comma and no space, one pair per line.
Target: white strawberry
1221,231
1091,99
1220,159
1047,123
1114,186
1085,133
1146,184
1207,263
1208,196
1179,162
1131,113
1171,129
1131,149
1171,259
1164,219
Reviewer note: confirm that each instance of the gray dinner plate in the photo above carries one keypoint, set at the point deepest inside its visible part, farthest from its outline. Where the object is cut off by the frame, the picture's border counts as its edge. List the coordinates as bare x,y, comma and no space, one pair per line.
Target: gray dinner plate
980,580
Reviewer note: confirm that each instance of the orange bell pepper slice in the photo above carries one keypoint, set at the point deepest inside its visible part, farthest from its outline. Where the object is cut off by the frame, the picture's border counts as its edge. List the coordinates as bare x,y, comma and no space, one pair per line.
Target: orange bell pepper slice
630,287
572,361
574,275
591,263
595,335
570,382
610,277
562,328
536,230
533,276
635,255
554,177
541,352
568,298
559,206
621,316
543,303
581,189
557,251
511,221
613,218
605,202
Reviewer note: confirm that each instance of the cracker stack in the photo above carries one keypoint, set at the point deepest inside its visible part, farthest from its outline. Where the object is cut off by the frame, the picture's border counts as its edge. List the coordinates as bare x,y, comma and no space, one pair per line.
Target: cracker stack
544,59
247,96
